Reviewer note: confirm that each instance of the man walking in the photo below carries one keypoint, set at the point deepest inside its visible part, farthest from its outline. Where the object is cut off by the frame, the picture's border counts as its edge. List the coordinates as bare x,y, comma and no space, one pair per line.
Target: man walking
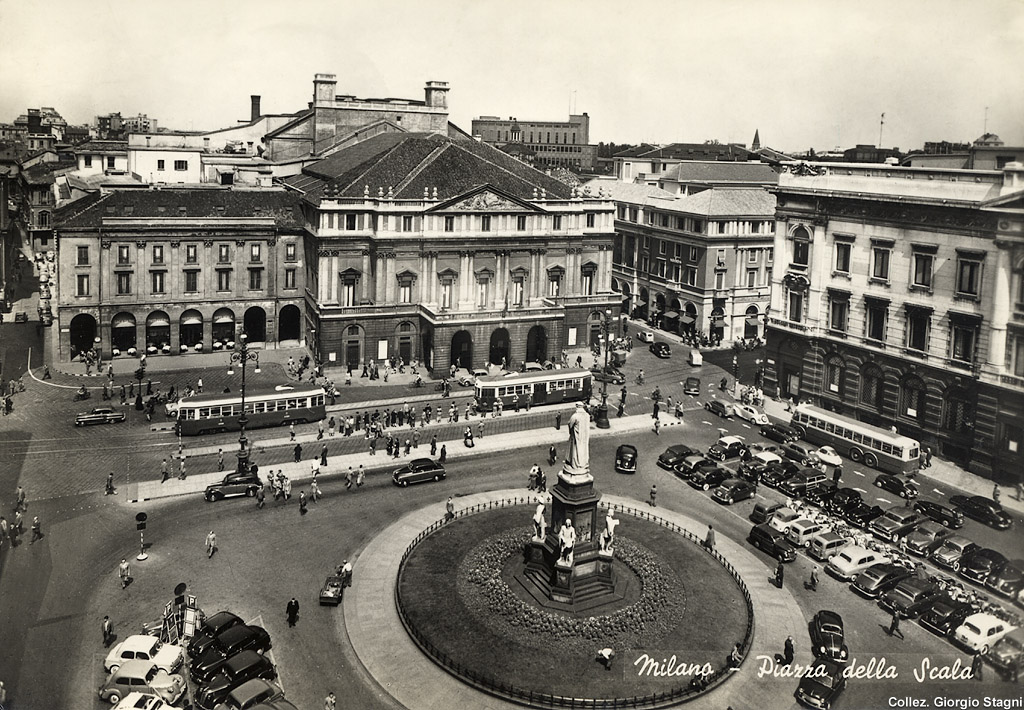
220,459
37,530
164,473
709,540
291,431
298,453
330,702
788,653
654,496
360,474
20,500
894,625
108,632
444,454
433,445
109,489
211,544
302,502
323,456
480,429
124,572
558,420
260,498
780,573
292,611
181,469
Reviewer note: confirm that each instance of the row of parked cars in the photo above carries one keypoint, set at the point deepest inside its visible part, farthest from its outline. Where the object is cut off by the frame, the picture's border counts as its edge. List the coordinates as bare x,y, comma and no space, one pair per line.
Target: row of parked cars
226,662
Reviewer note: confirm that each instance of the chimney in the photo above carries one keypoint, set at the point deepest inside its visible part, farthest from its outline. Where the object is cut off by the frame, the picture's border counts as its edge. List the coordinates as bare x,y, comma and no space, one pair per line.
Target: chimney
254,112
324,88
436,94
1013,178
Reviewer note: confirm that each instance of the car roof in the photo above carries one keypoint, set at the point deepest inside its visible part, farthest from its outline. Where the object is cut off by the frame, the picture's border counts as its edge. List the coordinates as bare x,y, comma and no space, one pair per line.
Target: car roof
139,641
244,659
831,616
421,461
234,633
221,618
251,688
135,668
627,447
732,439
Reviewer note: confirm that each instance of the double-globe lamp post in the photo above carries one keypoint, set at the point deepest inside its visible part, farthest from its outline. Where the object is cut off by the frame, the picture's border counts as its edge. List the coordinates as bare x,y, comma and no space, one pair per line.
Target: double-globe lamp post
601,421
241,356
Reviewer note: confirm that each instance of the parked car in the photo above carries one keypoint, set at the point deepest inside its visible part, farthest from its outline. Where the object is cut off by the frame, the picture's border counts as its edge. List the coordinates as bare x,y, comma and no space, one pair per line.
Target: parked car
826,544
209,629
645,336
828,638
798,451
708,478
238,669
750,413
757,465
852,560
732,490
661,350
821,494
981,631
984,510
895,523
783,518
1007,655
100,415
910,597
878,579
950,553
674,455
780,472
800,532
142,701
950,517
142,676
843,500
780,433
944,616
418,471
279,704
719,408
980,564
927,537
1009,580
227,644
829,456
251,694
692,386
139,647
821,684
763,512
625,459
234,484
807,480
772,542
862,514
691,464
894,484
727,447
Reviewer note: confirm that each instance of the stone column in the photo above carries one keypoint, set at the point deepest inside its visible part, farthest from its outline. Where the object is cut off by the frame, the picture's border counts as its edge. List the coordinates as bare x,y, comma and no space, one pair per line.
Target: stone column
365,277
432,275
380,277
332,268
1000,309
390,285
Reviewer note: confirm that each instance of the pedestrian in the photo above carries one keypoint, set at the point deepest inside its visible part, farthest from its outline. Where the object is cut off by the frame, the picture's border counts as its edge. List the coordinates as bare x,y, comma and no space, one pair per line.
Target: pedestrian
780,574
622,409
1020,489
330,426
199,385
605,656
302,502
109,488
373,446
292,611
480,428
348,478
812,583
408,447
6,531
558,420
657,408
181,469
894,625
46,373
211,544
298,453
552,454
314,490
415,440
500,406
995,493
360,475
220,459
657,425
291,431
323,456
444,454
124,572
976,666
260,497
837,475
164,473
330,702
515,402
709,540
345,574
927,457
449,509
286,486
37,530
433,445
654,496
108,632
788,653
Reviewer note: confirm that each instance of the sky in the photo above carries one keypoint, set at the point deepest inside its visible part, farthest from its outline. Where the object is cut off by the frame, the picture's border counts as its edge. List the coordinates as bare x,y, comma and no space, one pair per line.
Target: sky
805,73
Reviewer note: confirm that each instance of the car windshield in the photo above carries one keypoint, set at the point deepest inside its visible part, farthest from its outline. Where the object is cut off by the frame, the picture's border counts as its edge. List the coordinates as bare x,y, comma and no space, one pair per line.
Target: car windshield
151,673
973,629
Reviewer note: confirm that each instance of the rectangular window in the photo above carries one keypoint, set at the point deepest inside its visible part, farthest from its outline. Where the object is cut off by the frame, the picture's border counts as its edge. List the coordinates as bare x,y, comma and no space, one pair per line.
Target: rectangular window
880,263
485,223
181,165
255,279
751,278
161,165
839,311
348,294
449,223
556,222
88,161
123,255
254,252
124,284
662,246
82,283
350,222
922,270
691,277
664,220
191,254
158,255
963,342
752,256
83,256
719,280
191,282
633,214
588,283
554,285
224,253
917,330
755,227
876,317
223,280
407,223
698,226
694,254
843,257
289,278
801,252
405,291
289,251
110,162
968,277
769,254
521,223
1018,356
446,294
481,293
796,306
158,281
591,220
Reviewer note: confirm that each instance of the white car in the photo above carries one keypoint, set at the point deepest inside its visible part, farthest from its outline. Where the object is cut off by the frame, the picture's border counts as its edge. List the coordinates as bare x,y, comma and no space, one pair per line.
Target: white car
645,336
167,657
745,411
979,632
142,701
827,455
852,560
783,518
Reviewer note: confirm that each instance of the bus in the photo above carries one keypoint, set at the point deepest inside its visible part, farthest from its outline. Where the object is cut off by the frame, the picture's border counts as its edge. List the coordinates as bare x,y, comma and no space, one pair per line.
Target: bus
875,447
545,387
267,406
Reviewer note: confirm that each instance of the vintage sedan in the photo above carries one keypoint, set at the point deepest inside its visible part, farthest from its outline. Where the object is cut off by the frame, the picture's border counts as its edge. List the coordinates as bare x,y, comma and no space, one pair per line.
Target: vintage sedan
894,484
732,490
142,701
828,637
234,484
862,514
755,468
728,447
1009,580
708,478
228,643
980,564
822,684
750,413
981,631
209,629
953,551
877,580
843,500
144,676
910,597
944,515
139,647
829,456
609,375
944,616
418,471
984,510
691,464
927,538
692,386
719,408
238,670
625,459
674,455
100,415
661,350
780,433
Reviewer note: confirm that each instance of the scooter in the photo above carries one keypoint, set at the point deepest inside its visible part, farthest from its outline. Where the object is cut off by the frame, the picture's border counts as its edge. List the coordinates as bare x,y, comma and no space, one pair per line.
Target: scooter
82,394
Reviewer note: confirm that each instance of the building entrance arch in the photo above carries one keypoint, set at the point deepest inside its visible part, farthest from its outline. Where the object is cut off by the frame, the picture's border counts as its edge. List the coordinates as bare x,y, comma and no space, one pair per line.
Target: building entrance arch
751,322
405,334
223,326
462,350
499,347
123,332
254,322
289,323
190,329
352,344
537,344
158,332
83,333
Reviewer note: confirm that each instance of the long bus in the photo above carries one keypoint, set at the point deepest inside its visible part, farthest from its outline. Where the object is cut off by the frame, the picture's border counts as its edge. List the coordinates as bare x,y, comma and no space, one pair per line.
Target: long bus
273,406
875,447
544,387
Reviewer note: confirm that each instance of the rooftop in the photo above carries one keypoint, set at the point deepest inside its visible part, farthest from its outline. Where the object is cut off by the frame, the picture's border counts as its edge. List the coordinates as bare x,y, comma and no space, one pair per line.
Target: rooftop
719,171
631,192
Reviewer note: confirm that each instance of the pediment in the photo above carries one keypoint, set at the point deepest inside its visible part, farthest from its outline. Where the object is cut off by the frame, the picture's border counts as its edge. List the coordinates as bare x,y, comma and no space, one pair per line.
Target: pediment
485,199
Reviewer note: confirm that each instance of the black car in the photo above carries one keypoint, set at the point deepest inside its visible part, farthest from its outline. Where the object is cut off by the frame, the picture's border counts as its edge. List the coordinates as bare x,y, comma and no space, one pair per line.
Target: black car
910,597
708,478
418,471
692,386
780,433
728,447
769,540
235,671
862,514
980,564
949,517
1009,580
828,638
209,630
719,408
843,500
625,459
732,490
878,579
984,510
661,350
822,494
234,484
691,464
944,616
821,684
799,451
610,375
674,455
897,485
100,415
227,644
779,473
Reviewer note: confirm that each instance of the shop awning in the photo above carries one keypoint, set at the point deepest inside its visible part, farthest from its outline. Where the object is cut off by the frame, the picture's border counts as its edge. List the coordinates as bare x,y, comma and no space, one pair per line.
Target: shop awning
753,320
717,321
671,314
224,319
192,320
123,321
158,322
687,319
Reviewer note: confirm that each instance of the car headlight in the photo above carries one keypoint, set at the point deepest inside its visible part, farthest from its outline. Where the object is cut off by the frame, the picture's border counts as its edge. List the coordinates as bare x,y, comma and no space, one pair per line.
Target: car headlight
821,649
843,653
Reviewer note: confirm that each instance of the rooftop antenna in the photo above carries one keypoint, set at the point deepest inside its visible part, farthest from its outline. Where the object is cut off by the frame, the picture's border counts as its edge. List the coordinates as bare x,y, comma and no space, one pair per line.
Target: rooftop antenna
986,121
881,125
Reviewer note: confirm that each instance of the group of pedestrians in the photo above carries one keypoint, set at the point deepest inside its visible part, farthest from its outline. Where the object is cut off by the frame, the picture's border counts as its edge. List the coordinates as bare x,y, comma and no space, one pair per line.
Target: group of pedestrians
12,530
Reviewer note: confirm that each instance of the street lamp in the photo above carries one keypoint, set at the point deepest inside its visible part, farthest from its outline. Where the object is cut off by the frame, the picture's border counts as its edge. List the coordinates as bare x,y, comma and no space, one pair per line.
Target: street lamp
242,355
601,420
139,374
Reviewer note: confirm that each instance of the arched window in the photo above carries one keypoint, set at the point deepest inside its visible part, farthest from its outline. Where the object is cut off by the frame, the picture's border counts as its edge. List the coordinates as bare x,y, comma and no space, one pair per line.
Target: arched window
912,398
835,369
871,379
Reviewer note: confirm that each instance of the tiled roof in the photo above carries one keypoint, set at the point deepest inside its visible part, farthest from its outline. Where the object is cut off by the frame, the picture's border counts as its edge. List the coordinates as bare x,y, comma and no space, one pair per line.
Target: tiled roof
629,192
720,171
99,146
280,205
727,202
965,189
635,151
697,151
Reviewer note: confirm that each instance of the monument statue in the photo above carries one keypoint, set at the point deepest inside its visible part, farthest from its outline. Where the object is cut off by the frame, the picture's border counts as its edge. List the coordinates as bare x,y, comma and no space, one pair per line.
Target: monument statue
566,542
539,525
608,536
577,462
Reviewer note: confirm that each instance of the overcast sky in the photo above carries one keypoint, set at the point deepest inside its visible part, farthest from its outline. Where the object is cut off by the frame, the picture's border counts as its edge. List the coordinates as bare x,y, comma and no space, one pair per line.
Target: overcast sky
807,73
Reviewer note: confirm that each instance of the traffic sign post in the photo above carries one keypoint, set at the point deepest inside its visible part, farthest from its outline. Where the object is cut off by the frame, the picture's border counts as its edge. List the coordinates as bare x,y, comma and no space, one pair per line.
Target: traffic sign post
140,525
